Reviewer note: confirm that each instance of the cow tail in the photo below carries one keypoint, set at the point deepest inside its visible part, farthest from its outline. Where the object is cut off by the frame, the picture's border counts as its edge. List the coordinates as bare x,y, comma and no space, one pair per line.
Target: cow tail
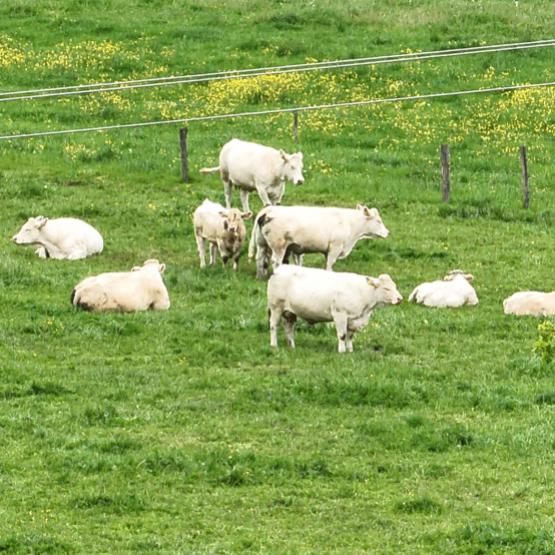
210,170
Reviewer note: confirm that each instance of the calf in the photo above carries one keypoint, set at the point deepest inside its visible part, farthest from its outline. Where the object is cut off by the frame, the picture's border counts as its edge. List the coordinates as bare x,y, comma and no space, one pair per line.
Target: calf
222,228
530,303
140,289
316,295
284,230
60,238
451,292
254,167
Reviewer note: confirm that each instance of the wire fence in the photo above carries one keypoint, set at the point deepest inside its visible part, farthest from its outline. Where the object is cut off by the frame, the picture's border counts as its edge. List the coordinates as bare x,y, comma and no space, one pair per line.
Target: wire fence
296,109
75,90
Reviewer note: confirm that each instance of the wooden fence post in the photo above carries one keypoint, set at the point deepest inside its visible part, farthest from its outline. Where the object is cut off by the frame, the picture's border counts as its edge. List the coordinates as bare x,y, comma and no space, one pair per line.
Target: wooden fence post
445,178
524,168
296,126
184,154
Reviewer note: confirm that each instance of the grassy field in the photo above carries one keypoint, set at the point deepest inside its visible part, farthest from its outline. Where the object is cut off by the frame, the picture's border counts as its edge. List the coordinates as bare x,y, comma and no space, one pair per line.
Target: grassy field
183,431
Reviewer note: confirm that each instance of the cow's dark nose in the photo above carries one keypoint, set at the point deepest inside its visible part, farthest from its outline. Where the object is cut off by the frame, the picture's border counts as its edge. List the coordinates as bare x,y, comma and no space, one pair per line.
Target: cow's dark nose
300,181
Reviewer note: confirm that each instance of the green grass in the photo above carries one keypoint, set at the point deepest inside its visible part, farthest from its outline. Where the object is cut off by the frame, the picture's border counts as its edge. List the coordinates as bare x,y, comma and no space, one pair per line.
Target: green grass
184,432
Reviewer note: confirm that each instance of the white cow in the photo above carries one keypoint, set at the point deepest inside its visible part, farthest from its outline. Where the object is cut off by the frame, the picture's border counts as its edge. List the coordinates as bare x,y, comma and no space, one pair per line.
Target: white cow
223,228
453,291
60,238
530,303
284,230
140,289
251,166
317,295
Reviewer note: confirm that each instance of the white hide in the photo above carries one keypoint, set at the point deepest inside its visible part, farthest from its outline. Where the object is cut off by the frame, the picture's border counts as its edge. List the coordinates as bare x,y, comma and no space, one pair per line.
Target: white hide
222,228
530,303
140,289
284,230
453,291
60,238
255,167
317,295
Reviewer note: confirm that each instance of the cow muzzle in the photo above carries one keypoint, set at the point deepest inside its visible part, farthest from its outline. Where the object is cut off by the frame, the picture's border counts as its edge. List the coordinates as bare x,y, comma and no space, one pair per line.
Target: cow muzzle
299,182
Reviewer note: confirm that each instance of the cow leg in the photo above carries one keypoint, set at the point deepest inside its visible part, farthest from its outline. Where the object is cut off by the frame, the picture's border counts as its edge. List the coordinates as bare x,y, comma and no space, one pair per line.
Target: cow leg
278,254
289,320
349,340
227,191
200,248
333,255
275,317
244,194
340,320
263,194
262,262
280,195
213,253
235,263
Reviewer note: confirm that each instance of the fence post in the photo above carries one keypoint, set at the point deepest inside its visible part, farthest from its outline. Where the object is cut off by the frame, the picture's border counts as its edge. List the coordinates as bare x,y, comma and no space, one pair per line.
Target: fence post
184,154
296,126
524,168
445,178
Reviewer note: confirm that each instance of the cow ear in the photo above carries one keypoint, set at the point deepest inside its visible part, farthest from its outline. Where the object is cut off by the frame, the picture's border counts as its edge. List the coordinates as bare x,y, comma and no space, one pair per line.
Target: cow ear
246,215
468,277
162,268
284,155
226,225
136,268
367,212
41,221
222,213
372,282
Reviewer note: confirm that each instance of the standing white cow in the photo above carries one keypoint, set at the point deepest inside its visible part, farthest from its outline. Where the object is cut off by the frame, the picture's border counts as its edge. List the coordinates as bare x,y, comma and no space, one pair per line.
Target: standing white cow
530,303
317,295
453,291
60,238
285,230
140,289
223,228
254,167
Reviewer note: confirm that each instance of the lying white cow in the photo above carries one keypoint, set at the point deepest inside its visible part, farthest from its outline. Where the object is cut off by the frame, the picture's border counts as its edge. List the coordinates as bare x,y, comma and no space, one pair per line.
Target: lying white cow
316,295
140,289
60,238
251,166
223,228
530,303
285,230
453,291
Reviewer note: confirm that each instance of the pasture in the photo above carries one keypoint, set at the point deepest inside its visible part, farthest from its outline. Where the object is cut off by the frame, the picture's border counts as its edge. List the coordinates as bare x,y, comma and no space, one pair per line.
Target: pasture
183,431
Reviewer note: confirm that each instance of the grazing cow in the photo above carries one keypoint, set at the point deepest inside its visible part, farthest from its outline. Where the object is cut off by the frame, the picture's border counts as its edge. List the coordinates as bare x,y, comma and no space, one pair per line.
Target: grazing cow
317,295
60,238
251,166
530,303
222,228
140,289
453,291
285,230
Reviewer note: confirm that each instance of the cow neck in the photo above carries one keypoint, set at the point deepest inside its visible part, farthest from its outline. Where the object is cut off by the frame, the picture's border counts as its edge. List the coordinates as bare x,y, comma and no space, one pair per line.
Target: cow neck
51,248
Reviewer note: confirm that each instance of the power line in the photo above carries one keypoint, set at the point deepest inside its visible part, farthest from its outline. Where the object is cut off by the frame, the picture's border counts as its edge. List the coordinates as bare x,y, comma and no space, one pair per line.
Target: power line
506,88
276,70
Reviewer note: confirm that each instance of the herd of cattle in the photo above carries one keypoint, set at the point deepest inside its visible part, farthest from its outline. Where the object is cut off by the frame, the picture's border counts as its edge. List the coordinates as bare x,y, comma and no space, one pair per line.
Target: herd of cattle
279,233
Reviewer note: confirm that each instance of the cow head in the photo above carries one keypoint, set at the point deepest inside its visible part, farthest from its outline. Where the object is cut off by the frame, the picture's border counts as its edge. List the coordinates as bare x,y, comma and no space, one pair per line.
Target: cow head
373,225
30,233
454,273
293,167
233,219
386,289
152,265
